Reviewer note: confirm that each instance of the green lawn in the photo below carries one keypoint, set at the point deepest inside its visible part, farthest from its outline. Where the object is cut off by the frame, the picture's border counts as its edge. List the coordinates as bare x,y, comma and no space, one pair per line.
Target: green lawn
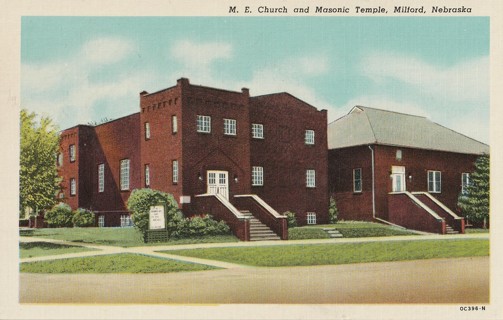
37,249
342,253
119,263
122,237
350,229
476,230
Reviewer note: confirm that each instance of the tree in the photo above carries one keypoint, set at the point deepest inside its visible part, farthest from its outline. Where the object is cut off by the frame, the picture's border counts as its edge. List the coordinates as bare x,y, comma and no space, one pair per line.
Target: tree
475,203
38,175
332,211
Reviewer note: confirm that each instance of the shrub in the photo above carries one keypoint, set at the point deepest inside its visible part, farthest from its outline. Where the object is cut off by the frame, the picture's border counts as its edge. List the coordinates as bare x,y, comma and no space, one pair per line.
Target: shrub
24,222
332,211
83,218
139,204
203,225
290,218
60,216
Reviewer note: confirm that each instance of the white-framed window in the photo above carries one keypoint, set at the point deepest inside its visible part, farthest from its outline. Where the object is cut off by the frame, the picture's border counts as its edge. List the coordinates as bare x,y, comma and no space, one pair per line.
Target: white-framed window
309,137
357,180
101,221
174,124
257,131
72,153
147,175
126,220
124,174
60,159
310,178
73,187
434,181
257,176
204,124
230,127
311,218
465,182
147,130
398,155
175,171
101,177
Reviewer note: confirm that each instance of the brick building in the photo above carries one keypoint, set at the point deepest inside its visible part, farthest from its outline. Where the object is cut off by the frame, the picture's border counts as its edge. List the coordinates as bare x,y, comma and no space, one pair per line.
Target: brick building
399,168
243,159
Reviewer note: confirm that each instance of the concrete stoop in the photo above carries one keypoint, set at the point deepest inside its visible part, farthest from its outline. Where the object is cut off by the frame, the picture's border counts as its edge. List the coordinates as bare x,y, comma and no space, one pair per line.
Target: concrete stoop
333,233
258,230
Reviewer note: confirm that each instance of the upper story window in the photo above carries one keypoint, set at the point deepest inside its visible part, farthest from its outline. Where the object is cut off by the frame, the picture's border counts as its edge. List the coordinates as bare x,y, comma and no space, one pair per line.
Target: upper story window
175,171
124,174
398,155
309,138
73,187
434,181
174,124
465,182
101,177
72,152
147,175
230,127
204,124
310,178
357,180
257,131
257,176
60,159
147,130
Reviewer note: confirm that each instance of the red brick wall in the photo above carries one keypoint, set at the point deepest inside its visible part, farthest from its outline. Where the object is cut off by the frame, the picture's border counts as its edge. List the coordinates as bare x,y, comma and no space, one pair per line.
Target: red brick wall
285,157
69,169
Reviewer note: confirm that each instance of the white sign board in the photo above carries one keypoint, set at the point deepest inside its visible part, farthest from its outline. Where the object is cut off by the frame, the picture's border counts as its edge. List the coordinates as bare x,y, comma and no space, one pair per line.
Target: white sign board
156,218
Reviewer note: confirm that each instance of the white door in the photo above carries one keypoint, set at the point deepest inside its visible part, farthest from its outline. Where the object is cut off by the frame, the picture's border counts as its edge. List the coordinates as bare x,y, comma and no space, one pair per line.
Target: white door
218,183
398,178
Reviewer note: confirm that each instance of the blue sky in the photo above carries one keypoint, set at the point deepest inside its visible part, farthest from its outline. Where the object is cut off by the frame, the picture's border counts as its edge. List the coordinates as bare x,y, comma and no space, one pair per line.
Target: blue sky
81,69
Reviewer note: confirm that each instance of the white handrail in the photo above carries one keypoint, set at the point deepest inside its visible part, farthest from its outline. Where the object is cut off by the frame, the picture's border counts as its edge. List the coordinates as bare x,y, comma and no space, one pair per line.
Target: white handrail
440,204
226,203
261,202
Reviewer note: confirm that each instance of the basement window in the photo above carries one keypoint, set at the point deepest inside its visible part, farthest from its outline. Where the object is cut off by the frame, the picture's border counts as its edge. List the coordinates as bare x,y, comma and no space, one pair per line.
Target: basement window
311,218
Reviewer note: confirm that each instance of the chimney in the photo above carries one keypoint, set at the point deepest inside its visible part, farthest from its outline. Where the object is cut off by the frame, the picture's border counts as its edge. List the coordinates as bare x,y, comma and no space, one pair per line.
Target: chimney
183,82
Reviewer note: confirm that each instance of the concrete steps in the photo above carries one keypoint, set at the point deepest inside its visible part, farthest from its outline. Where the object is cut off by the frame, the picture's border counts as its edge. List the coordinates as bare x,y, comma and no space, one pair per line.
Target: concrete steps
450,230
333,233
258,230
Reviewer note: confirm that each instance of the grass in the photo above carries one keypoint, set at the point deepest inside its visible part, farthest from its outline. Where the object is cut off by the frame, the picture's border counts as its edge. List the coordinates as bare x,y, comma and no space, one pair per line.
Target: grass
37,249
119,263
121,237
348,229
476,230
342,253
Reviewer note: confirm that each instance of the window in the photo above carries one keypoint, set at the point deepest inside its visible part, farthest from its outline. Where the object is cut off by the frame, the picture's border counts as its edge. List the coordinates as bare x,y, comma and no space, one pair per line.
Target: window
311,218
73,187
434,181
399,155
72,153
357,180
230,127
310,178
204,124
124,174
257,176
147,175
174,124
309,138
257,131
101,221
175,171
465,182
126,220
101,177
60,159
147,130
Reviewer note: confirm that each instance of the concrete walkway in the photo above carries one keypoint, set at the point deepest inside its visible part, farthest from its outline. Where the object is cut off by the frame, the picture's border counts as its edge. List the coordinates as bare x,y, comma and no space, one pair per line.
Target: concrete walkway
154,250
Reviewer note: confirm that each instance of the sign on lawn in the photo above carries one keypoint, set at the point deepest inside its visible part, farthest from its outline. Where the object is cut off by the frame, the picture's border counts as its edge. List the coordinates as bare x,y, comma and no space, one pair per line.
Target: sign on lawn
156,218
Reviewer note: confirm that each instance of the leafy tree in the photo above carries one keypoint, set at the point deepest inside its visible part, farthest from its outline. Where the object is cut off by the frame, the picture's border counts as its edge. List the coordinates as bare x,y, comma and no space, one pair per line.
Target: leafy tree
332,211
475,203
38,176
60,216
291,220
83,218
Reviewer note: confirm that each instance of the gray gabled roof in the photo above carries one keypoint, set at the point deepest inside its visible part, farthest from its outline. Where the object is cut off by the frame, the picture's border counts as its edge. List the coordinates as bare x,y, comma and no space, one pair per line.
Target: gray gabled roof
364,126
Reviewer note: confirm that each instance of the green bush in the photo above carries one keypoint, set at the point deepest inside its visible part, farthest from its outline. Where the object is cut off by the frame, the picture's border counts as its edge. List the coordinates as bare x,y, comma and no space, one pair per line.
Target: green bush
203,225
83,218
60,216
332,211
139,204
290,219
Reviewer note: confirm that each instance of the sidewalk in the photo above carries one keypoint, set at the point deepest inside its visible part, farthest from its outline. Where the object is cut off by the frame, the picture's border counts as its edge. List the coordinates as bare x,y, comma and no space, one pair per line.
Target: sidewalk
154,250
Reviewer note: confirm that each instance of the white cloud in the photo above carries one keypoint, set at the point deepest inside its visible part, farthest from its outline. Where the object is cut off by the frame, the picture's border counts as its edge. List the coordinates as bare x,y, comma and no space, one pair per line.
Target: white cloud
106,50
200,54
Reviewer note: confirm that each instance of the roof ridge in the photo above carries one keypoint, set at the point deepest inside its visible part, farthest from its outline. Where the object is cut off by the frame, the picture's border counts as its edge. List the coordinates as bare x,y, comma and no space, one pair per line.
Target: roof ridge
371,127
391,111
462,134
